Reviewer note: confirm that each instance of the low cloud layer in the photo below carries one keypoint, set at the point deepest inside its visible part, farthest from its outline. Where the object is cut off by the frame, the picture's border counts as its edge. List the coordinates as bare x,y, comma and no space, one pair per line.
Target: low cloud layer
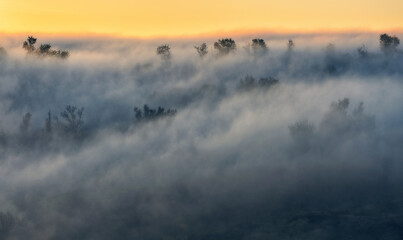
316,155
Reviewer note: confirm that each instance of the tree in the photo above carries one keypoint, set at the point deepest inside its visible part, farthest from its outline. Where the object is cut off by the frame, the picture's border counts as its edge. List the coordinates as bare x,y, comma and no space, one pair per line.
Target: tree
225,46
259,46
48,123
63,54
337,121
290,45
340,106
289,53
202,49
388,43
249,83
29,44
26,122
151,114
331,61
301,129
164,51
44,50
267,82
303,134
363,51
72,117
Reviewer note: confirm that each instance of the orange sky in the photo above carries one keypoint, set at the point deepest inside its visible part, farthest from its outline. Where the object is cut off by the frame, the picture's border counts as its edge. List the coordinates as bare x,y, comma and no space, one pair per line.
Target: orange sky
186,17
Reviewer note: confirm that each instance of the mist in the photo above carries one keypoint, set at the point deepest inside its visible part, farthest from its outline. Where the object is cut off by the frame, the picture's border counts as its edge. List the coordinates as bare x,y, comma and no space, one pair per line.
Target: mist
301,143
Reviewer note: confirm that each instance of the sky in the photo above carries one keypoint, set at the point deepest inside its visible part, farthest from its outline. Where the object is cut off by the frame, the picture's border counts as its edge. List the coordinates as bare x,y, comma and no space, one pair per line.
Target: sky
184,17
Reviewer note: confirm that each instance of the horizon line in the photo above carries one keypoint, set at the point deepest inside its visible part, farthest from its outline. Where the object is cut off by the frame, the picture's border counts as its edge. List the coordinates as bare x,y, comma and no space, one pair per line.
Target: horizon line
219,34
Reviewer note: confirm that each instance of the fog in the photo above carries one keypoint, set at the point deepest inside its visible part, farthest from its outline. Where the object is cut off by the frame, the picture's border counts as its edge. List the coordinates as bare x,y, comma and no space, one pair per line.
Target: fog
312,151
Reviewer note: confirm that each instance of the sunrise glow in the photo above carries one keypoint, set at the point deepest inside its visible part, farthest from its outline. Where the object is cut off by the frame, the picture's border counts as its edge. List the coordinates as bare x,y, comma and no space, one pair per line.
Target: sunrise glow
180,17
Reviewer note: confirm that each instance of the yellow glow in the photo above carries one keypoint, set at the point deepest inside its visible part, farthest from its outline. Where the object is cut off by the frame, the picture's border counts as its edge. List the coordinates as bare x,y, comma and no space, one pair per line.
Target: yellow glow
187,17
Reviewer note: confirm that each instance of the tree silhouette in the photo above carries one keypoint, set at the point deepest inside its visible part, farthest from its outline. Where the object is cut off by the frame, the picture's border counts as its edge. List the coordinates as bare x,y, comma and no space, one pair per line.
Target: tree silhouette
48,123
63,54
150,114
290,45
289,53
164,51
363,51
267,82
340,106
301,129
330,59
29,44
259,46
338,121
72,117
26,122
388,43
44,50
202,49
250,83
303,133
225,46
